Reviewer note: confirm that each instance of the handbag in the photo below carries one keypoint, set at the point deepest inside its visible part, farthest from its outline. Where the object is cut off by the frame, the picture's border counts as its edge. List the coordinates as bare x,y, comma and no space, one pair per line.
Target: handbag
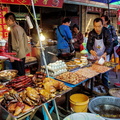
118,51
72,49
71,46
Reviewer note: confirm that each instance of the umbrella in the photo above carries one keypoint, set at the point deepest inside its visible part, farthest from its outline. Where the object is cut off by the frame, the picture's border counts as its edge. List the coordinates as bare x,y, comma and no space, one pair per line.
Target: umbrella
115,2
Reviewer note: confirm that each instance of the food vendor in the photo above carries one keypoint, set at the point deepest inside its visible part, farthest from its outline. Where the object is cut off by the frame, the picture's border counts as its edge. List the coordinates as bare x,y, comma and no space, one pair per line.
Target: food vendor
100,44
17,42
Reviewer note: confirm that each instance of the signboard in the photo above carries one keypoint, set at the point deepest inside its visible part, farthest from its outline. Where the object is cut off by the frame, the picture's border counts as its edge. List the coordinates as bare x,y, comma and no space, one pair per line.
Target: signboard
112,12
118,17
94,9
3,26
45,3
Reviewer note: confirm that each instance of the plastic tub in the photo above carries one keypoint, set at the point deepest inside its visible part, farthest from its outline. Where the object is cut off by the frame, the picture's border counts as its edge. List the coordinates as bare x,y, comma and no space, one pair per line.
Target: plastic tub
83,116
79,102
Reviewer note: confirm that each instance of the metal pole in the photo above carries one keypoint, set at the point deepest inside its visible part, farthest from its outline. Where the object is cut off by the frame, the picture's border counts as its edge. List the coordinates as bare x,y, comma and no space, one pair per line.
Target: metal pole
108,8
56,109
46,110
38,32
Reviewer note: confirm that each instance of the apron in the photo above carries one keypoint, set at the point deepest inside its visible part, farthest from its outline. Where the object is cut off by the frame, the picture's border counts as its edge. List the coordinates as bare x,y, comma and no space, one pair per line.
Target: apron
99,48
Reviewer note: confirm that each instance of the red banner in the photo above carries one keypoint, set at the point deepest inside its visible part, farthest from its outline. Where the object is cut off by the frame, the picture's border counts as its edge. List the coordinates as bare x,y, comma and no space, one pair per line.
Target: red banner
45,3
3,26
118,17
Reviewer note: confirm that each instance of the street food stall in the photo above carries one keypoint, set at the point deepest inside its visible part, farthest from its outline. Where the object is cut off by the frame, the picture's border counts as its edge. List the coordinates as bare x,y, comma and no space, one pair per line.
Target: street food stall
22,96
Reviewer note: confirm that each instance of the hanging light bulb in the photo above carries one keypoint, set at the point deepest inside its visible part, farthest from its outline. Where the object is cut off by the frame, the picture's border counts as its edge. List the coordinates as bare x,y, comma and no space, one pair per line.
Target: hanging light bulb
8,28
42,37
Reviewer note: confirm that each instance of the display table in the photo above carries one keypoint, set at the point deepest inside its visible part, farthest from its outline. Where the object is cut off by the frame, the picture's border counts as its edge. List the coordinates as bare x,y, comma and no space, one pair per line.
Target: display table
32,112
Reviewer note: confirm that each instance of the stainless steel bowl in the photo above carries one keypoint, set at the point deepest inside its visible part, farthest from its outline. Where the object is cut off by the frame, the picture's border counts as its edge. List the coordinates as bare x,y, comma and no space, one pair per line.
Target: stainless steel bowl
8,74
106,106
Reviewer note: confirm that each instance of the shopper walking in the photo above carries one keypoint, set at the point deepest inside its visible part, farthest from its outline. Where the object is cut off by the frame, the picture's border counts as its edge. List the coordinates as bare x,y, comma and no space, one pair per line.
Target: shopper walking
17,42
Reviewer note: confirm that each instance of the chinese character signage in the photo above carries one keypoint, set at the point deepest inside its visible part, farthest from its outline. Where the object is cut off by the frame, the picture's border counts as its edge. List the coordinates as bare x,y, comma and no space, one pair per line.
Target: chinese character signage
46,3
94,9
3,26
111,12
118,17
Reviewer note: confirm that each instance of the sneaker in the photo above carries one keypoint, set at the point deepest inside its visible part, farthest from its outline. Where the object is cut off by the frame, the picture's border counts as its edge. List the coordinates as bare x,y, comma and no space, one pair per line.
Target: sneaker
117,84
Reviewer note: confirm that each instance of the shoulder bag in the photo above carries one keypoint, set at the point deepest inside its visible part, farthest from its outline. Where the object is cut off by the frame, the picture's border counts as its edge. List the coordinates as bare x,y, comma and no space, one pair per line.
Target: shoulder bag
118,51
72,49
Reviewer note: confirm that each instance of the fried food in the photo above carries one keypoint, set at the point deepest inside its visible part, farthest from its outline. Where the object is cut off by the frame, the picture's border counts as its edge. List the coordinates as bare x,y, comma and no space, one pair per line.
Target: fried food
11,107
100,68
71,77
86,72
32,94
26,108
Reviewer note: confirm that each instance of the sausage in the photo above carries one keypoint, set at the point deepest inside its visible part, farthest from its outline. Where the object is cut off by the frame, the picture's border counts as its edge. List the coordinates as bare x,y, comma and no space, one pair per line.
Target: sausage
19,79
22,83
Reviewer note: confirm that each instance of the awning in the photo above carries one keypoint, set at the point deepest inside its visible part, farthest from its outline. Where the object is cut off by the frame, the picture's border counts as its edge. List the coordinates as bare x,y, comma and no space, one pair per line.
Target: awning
92,3
44,3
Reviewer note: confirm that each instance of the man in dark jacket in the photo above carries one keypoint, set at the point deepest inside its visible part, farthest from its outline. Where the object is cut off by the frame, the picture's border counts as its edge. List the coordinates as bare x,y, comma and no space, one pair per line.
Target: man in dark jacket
100,44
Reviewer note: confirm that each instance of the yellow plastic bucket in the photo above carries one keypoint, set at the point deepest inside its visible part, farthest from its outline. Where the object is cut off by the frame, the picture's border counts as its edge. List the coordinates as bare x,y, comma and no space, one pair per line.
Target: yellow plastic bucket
79,102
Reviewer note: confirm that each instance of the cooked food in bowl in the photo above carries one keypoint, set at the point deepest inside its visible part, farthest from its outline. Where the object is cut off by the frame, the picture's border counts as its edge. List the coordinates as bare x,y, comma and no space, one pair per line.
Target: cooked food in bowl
8,74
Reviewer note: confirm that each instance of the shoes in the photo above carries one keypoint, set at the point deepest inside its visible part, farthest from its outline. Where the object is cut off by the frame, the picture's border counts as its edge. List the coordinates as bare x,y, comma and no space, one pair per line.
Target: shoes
117,84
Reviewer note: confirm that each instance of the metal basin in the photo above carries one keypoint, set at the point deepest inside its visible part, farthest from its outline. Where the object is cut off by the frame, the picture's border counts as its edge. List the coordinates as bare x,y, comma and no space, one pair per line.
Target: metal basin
106,106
